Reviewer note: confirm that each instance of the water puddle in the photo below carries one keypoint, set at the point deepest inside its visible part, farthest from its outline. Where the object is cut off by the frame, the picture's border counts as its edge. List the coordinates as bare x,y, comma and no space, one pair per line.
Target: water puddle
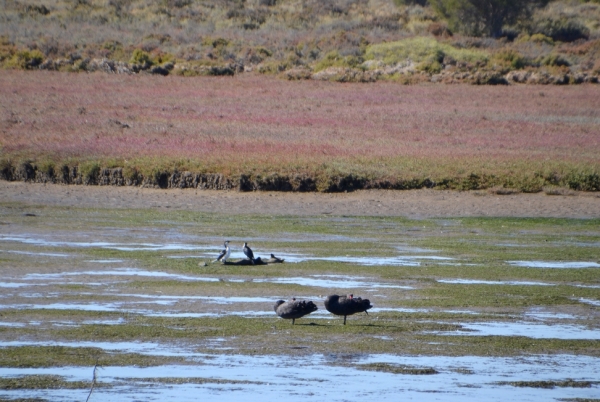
13,324
120,272
13,285
591,302
209,299
404,261
332,281
115,307
59,255
419,310
107,261
543,315
484,282
105,245
588,286
529,330
553,264
145,348
333,378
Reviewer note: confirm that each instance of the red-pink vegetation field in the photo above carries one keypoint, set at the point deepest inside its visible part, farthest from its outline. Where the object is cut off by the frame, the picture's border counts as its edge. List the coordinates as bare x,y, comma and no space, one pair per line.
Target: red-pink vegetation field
513,136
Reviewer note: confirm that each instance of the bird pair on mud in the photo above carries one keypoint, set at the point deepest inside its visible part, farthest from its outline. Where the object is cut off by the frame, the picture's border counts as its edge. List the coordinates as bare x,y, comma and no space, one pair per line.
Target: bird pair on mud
227,252
224,256
338,305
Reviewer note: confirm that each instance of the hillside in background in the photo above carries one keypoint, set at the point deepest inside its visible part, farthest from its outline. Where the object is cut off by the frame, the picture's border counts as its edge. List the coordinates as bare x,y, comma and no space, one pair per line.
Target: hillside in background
340,40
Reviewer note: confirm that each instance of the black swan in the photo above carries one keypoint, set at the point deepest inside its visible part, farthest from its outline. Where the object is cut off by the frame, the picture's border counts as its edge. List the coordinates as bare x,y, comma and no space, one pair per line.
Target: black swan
248,252
346,305
225,253
294,309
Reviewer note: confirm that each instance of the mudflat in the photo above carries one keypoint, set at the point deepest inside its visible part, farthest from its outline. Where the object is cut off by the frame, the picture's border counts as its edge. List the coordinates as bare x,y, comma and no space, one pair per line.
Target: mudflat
409,203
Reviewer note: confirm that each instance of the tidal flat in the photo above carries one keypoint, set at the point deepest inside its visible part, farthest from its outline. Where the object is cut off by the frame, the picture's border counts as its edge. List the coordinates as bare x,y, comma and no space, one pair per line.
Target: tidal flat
464,308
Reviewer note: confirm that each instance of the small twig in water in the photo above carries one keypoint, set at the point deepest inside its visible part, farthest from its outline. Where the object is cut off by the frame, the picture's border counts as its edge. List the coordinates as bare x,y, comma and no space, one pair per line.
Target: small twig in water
93,381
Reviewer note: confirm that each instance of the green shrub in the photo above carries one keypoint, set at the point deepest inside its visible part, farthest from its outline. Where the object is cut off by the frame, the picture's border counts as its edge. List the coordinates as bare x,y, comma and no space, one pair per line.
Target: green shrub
26,59
334,59
433,64
141,58
7,49
421,49
541,38
272,67
554,60
584,181
563,30
510,58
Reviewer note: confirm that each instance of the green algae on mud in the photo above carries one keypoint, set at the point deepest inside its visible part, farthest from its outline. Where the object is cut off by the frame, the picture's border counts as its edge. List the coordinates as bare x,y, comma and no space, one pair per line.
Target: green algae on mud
45,382
570,383
398,369
60,356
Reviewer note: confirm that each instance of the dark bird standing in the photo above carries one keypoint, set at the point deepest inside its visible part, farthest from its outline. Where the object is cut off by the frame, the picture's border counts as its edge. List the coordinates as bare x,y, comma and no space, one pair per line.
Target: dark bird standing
346,305
294,309
248,252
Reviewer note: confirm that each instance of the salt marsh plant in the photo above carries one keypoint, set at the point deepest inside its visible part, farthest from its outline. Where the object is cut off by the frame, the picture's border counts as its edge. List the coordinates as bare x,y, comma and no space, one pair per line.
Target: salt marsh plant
306,134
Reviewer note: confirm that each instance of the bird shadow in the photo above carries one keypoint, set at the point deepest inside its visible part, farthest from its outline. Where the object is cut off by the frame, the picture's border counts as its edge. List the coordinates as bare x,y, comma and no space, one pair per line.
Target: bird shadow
313,324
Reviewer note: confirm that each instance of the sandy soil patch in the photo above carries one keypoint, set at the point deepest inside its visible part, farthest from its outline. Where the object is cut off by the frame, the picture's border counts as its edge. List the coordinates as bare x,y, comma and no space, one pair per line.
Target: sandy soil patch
410,204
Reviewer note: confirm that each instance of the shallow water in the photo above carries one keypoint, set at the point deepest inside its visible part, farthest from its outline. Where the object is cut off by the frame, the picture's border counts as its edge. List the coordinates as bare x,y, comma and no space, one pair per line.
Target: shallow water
543,315
326,377
589,301
119,272
13,284
106,245
555,264
420,310
333,282
31,253
526,329
484,282
405,261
